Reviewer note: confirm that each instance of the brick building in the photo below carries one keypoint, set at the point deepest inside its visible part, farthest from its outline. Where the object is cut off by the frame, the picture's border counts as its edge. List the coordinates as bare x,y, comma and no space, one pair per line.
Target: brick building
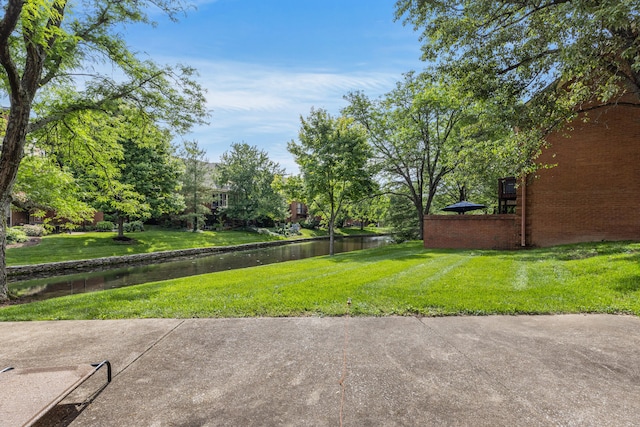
590,195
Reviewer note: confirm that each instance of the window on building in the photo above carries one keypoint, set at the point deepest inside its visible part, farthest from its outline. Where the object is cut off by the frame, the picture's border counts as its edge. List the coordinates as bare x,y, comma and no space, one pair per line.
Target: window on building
220,200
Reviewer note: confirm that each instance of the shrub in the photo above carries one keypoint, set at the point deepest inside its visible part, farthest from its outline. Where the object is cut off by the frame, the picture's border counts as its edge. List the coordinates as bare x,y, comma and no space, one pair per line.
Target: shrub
310,223
33,230
133,226
105,226
16,235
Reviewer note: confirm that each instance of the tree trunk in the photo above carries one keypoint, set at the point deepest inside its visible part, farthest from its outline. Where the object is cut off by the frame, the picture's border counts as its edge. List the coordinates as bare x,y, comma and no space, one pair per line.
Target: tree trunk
331,236
12,150
4,287
120,226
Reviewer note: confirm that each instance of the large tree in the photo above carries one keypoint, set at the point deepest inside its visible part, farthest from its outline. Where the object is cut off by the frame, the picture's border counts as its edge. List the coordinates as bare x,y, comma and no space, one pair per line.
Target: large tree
420,132
197,188
152,169
249,175
561,57
51,54
333,155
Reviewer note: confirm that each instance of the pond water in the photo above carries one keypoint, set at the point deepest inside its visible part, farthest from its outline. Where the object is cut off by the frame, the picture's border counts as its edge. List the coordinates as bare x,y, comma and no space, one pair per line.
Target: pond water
127,276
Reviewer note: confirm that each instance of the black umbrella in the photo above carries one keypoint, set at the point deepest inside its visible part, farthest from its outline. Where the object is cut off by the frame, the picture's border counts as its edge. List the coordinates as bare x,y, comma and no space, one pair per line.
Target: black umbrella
463,206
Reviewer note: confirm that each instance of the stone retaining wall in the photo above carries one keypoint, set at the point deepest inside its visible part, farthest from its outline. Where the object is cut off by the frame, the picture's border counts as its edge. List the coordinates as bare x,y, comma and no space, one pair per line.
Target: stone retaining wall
69,267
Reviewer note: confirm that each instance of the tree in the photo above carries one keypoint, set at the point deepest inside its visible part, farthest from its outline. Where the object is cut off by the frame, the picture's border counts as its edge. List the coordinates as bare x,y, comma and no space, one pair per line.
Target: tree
249,174
418,132
368,210
150,167
333,157
89,145
561,57
42,185
50,54
196,183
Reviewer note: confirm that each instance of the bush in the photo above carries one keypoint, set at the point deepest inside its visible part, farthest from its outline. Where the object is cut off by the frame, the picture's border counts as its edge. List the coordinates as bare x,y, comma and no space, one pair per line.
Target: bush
132,226
33,230
16,235
310,223
105,226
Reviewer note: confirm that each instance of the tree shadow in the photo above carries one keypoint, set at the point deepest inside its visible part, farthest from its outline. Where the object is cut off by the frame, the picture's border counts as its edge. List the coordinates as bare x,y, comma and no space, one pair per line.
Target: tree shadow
628,285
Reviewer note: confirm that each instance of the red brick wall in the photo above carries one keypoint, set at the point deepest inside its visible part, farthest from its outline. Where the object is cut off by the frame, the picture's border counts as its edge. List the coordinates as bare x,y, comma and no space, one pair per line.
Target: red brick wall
295,216
472,231
593,193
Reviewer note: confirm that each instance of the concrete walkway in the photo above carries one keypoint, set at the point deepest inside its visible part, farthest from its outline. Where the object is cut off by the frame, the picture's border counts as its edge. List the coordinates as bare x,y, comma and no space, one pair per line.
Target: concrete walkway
581,370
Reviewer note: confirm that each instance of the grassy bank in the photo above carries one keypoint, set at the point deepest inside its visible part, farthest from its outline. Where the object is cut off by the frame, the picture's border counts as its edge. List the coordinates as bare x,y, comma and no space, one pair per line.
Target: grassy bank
396,280
69,247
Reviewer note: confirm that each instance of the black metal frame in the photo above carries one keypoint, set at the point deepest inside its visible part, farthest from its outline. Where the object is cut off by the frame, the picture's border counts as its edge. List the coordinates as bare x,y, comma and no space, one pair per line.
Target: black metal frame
100,365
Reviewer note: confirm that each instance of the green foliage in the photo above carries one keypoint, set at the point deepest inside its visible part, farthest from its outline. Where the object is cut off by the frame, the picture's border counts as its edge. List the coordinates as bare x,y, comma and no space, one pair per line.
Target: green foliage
422,132
105,226
402,220
16,235
250,178
51,57
291,188
369,210
43,185
555,56
333,157
310,223
133,226
197,188
150,166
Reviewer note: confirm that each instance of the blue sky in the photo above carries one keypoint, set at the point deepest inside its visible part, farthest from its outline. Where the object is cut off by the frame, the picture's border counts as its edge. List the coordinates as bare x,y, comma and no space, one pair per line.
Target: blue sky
265,63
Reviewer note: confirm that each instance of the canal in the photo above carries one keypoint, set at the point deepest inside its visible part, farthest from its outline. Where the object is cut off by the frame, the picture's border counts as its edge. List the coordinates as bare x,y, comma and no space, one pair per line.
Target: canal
52,287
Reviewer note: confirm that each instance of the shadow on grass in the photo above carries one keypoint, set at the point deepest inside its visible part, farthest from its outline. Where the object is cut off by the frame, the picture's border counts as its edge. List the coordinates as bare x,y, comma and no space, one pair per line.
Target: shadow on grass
628,285
577,251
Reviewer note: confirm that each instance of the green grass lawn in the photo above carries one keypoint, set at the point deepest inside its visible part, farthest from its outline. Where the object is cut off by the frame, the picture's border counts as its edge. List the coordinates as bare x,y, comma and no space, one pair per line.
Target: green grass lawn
67,247
394,280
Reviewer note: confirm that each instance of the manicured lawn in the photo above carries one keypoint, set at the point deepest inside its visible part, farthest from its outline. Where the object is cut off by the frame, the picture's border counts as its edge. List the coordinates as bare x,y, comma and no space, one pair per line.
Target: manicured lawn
67,247
394,280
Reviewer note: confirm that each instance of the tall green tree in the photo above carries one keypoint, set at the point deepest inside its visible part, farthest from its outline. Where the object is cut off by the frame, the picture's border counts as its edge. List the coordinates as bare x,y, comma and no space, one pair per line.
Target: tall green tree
249,175
561,57
333,155
148,183
197,188
89,145
418,132
152,169
51,52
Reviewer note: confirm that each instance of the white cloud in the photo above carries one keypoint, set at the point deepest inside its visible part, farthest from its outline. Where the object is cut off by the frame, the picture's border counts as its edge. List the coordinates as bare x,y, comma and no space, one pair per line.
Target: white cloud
261,105
249,87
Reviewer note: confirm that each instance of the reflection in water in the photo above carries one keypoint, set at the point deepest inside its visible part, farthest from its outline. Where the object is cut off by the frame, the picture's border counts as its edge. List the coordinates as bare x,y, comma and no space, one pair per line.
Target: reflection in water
116,278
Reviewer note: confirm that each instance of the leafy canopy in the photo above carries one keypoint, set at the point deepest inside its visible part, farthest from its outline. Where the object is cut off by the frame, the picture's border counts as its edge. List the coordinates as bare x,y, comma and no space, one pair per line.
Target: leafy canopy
64,62
422,132
555,55
249,175
333,155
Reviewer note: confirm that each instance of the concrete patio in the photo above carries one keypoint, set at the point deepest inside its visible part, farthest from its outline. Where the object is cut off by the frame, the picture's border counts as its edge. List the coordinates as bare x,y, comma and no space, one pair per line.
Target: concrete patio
393,371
